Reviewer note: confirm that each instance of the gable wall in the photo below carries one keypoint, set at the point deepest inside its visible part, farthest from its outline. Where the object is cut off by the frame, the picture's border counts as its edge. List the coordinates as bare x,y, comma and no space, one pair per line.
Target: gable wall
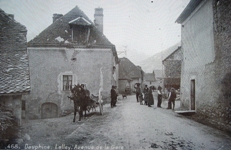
198,52
172,65
48,65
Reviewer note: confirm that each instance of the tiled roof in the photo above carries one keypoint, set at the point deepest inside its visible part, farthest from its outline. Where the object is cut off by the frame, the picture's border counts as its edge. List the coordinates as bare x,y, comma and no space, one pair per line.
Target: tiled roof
123,74
14,66
61,29
132,70
14,76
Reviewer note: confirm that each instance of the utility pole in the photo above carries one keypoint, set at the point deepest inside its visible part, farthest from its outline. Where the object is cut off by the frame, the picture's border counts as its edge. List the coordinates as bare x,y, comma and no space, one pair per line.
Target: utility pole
123,51
162,70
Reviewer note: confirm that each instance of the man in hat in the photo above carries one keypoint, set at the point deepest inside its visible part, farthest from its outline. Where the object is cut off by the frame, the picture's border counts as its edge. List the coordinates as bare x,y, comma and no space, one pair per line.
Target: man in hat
138,93
171,99
159,96
113,96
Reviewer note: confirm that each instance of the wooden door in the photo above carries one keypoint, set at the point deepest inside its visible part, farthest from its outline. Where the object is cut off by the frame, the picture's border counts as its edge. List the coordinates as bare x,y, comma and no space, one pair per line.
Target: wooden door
49,110
193,94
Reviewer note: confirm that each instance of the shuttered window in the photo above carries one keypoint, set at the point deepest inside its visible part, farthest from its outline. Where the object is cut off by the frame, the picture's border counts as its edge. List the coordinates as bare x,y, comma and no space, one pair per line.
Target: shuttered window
67,82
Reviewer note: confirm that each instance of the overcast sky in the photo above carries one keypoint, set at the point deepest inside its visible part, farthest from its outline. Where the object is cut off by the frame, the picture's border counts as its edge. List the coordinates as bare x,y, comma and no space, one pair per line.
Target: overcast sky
142,27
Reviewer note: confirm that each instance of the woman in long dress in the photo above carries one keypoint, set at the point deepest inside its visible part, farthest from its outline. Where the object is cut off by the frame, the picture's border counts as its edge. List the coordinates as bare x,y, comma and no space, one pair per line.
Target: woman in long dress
145,91
150,97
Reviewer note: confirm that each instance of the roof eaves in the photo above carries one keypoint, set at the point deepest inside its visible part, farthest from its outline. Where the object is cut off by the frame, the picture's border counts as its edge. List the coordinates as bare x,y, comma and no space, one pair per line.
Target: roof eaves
15,93
192,5
88,23
125,79
171,54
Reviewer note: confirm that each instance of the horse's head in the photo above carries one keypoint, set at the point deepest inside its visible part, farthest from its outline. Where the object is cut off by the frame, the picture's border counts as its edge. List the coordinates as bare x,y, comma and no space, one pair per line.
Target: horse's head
77,92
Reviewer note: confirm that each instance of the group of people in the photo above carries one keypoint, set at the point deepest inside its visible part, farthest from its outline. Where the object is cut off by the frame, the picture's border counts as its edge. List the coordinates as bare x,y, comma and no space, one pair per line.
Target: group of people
148,97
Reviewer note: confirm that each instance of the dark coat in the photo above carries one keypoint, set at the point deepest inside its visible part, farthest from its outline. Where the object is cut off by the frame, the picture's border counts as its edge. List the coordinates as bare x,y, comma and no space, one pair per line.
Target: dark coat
150,97
113,94
138,91
145,91
172,96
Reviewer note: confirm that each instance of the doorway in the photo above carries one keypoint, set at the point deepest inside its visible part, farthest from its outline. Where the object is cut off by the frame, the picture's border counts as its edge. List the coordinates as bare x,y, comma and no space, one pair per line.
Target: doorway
49,110
192,94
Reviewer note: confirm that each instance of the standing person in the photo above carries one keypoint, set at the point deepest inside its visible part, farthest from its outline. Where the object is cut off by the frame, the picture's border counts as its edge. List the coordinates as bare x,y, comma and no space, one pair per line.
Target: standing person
115,100
145,91
168,93
150,97
159,93
138,93
171,99
113,96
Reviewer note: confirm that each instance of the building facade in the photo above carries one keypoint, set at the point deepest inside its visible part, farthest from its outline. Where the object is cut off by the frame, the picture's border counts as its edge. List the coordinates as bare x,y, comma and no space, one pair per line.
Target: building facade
129,75
205,73
149,79
172,69
70,51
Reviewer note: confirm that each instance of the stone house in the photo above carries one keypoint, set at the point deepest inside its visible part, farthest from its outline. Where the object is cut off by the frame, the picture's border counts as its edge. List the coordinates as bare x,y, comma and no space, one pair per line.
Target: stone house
206,65
14,65
71,50
129,75
124,80
149,79
172,69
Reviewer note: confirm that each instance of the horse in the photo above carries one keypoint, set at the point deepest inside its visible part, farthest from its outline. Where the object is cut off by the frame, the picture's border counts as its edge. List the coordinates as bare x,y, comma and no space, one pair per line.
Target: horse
81,98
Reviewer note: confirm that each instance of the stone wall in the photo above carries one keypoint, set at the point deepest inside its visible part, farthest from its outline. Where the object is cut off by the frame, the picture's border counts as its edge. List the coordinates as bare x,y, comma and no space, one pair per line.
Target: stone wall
222,39
13,103
172,68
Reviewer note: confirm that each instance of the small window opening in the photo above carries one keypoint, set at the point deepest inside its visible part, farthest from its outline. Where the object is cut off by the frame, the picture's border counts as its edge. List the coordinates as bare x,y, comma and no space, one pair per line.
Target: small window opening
67,82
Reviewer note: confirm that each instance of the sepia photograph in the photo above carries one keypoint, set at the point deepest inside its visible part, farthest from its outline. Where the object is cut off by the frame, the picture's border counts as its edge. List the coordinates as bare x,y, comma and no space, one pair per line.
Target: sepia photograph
115,74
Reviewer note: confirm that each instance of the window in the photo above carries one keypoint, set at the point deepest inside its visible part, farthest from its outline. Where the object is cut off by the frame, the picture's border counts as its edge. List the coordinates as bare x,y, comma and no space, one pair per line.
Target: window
67,82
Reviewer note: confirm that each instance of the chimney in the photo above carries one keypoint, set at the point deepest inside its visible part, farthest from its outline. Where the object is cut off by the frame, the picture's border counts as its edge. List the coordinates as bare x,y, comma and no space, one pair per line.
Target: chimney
99,18
56,17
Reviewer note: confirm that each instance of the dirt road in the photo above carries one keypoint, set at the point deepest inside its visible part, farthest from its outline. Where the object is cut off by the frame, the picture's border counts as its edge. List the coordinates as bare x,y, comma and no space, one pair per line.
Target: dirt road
129,126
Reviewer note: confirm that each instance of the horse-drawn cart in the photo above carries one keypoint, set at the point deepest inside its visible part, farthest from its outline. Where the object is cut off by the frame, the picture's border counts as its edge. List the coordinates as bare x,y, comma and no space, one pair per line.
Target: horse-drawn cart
84,102
97,102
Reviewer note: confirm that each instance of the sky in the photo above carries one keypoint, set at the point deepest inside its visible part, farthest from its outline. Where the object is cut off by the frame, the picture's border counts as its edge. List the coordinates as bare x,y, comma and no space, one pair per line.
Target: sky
141,27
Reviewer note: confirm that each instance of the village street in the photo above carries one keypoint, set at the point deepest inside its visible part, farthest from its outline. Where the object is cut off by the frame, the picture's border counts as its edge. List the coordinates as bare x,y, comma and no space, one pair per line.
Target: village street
128,126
